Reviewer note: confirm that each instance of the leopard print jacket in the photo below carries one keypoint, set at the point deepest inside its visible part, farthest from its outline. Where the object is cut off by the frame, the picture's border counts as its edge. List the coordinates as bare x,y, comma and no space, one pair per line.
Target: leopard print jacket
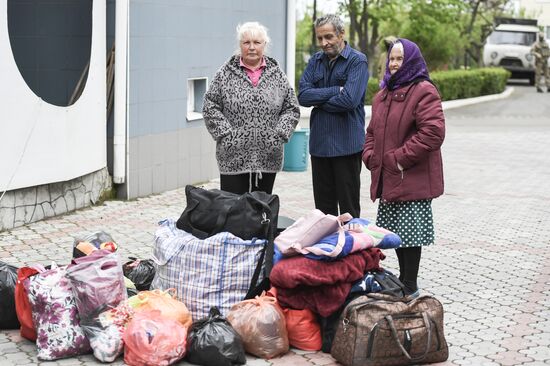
250,124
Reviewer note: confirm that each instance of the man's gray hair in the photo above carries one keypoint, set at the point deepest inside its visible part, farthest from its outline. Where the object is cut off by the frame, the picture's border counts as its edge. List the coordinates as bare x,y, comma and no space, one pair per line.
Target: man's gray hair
333,19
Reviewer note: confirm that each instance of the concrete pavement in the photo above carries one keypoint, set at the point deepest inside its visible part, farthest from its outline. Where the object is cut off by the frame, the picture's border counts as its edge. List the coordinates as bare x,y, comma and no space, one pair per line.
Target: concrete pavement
490,266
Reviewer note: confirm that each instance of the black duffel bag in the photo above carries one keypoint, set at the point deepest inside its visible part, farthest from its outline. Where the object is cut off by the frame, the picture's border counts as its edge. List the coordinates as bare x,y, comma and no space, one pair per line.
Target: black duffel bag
247,216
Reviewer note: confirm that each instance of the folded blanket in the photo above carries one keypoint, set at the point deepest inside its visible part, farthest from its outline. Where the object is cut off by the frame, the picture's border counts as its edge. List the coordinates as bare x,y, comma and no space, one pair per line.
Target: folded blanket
366,235
321,286
359,234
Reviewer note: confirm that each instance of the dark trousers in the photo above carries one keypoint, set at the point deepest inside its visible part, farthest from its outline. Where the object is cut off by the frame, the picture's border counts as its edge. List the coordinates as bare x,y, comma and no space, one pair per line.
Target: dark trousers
336,184
409,263
248,182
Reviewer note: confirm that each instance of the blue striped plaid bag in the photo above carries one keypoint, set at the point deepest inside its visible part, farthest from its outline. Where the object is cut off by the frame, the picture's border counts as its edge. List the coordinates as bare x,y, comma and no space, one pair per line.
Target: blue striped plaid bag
216,271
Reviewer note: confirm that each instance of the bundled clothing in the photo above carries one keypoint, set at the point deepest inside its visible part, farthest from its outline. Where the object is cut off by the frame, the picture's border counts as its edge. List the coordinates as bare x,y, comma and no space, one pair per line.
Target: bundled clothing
321,286
359,234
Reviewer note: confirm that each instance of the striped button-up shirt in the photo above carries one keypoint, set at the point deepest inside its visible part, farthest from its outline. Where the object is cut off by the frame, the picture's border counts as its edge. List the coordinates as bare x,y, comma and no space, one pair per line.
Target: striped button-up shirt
337,93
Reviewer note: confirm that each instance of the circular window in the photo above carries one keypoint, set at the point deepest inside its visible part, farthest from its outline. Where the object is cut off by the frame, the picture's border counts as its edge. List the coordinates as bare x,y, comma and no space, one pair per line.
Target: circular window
51,42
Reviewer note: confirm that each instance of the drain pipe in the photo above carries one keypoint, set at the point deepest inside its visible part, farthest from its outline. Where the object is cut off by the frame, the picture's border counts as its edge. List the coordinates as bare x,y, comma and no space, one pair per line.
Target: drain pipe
291,41
121,91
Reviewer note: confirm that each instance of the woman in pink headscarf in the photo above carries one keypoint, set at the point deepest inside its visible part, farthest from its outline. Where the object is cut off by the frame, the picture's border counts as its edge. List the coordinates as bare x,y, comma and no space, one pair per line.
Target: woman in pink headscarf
402,152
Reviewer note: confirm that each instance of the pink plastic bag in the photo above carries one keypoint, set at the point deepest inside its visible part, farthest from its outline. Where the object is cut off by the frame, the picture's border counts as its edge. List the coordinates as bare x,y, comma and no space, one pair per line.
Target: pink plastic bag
97,282
98,285
309,230
151,339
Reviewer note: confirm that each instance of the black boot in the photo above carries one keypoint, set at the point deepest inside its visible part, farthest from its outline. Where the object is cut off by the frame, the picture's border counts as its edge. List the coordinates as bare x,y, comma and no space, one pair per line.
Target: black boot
539,90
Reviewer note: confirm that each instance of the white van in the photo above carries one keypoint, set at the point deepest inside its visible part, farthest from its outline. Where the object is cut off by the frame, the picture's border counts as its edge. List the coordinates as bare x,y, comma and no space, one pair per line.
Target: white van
509,46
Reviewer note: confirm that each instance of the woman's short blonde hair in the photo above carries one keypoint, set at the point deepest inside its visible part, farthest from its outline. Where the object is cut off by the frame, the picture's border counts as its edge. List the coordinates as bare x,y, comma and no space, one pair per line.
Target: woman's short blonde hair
254,29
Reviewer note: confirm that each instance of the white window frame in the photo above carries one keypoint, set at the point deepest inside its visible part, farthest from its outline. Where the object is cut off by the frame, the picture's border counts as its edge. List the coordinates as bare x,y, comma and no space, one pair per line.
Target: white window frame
192,114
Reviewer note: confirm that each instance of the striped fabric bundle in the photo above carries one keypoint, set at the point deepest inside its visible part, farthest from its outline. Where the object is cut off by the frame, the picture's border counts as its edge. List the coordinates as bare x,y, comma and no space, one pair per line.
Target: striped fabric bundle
212,272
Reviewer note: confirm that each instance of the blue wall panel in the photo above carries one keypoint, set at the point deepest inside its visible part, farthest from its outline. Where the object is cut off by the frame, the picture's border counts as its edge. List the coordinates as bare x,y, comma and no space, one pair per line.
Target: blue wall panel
173,40
170,42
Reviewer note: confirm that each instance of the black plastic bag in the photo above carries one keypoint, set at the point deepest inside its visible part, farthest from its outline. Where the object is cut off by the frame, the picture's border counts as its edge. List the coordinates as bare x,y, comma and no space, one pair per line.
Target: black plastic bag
212,341
140,272
8,279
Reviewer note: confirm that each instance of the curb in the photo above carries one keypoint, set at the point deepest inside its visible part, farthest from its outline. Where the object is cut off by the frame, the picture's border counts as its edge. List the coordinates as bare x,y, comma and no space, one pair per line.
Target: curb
450,104
305,112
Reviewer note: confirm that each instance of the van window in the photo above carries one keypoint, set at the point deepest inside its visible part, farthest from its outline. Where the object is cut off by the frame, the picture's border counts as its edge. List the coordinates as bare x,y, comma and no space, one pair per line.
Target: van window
508,37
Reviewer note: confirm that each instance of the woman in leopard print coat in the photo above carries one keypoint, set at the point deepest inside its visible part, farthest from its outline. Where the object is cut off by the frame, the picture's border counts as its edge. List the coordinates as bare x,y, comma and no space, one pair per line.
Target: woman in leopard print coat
251,110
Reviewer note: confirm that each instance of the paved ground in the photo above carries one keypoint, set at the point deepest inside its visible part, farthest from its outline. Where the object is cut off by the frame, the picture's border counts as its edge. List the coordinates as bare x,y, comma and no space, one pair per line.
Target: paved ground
490,266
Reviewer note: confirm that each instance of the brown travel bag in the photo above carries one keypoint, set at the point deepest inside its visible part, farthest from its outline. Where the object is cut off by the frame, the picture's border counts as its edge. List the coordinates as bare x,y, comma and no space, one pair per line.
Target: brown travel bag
381,330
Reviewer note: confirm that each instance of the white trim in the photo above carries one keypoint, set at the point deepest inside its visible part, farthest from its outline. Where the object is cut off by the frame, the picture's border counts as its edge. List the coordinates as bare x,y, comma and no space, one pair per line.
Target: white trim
192,113
194,116
121,92
291,41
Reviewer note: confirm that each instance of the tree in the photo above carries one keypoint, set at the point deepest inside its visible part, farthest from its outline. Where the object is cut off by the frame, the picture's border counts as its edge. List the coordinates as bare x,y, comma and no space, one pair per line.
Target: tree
365,19
450,33
304,46
313,18
479,23
432,25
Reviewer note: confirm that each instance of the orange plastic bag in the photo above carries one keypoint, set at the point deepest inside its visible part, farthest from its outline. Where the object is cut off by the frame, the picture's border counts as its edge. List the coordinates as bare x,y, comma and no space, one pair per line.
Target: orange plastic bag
304,332
165,302
22,304
152,339
261,324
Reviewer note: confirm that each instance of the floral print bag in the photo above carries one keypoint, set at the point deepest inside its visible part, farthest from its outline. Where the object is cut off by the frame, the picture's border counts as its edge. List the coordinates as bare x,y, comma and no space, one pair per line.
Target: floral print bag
55,316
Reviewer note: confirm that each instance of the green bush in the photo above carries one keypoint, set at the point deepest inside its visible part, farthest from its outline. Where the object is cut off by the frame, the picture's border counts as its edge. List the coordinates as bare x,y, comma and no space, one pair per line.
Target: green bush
372,89
494,80
460,84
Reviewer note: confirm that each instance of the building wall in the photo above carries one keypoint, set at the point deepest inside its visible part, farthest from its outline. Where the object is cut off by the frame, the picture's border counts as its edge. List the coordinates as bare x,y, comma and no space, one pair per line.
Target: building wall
46,144
171,41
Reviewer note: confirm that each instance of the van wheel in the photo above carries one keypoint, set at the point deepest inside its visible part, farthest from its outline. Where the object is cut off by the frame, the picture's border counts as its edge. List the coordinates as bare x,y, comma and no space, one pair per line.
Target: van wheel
532,80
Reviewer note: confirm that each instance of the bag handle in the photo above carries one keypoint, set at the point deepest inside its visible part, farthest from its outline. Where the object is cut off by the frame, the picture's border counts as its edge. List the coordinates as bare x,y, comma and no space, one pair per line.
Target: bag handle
194,231
389,319
222,218
252,290
251,293
345,217
339,244
388,297
222,214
